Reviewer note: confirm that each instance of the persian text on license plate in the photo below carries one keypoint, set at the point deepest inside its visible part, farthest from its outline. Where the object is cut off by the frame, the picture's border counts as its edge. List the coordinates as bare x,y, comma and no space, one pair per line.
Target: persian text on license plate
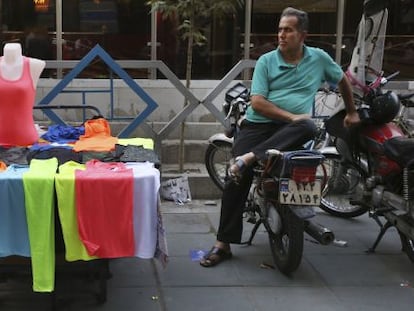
308,193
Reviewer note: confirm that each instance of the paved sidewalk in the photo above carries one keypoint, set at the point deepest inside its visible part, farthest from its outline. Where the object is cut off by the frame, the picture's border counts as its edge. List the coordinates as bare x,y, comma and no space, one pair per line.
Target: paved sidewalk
329,278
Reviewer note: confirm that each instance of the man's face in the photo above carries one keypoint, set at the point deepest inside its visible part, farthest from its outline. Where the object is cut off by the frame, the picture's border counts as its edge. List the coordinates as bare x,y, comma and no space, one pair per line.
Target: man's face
289,37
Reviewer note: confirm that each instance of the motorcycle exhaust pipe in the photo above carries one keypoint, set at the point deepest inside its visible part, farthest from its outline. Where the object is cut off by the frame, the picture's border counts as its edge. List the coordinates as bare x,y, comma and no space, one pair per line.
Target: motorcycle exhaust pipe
321,234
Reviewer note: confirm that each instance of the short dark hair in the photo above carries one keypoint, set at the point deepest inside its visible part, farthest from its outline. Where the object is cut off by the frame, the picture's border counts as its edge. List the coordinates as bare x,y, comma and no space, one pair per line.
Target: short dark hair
302,16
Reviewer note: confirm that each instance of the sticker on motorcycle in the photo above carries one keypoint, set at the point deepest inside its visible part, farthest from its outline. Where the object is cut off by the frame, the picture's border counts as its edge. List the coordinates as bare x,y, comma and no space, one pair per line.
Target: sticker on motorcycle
291,192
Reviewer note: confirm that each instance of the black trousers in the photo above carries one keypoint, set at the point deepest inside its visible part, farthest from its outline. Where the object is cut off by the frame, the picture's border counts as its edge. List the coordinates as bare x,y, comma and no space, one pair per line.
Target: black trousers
258,138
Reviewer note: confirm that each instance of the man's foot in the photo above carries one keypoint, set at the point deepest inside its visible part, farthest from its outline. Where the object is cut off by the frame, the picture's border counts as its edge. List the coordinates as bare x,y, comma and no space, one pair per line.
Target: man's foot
236,170
215,256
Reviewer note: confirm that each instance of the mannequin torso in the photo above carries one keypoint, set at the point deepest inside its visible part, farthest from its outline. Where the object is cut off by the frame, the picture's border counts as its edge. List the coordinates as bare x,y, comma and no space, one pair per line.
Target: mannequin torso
18,79
11,64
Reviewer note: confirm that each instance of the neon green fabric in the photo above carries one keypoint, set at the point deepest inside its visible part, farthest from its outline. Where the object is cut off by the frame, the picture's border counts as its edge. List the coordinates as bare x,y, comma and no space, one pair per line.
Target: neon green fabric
65,191
147,143
38,184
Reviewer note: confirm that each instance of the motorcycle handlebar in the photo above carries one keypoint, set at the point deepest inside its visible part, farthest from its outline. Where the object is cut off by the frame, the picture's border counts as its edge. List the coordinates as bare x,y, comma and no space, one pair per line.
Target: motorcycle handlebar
237,106
393,75
385,80
230,111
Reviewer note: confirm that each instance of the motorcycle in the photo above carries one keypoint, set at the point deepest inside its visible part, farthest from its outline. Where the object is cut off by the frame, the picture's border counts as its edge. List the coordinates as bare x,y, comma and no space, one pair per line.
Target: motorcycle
218,152
372,169
285,190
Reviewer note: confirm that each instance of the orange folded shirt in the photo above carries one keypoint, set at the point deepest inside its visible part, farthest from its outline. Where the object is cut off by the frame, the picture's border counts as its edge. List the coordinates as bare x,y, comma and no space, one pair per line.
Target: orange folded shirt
97,137
3,166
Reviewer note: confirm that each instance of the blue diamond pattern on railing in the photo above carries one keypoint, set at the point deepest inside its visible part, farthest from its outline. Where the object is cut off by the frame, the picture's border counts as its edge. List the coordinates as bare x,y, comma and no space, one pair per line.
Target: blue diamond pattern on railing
98,51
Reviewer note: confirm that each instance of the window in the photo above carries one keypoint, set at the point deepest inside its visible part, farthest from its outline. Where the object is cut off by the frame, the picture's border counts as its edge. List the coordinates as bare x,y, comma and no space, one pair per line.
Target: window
123,28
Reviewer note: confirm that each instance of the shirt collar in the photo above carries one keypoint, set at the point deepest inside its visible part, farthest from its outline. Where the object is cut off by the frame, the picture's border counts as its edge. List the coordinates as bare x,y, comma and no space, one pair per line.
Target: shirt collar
284,65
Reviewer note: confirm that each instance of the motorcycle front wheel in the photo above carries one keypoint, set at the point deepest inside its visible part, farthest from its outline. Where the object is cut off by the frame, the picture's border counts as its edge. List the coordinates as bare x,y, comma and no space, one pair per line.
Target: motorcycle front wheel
286,244
217,159
343,185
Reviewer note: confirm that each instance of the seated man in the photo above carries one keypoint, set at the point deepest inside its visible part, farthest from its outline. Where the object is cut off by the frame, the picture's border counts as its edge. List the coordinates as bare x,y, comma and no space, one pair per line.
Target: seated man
284,85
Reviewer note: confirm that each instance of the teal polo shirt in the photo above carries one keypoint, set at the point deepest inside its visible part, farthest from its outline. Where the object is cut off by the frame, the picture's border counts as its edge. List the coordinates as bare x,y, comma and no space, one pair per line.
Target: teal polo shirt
291,87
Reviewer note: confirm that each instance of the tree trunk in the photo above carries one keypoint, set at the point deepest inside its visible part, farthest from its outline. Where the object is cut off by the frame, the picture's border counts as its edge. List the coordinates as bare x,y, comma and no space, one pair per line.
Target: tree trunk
189,64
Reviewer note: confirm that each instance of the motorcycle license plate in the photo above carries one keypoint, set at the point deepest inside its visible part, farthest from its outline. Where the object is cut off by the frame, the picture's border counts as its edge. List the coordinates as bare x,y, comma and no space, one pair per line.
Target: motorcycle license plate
308,193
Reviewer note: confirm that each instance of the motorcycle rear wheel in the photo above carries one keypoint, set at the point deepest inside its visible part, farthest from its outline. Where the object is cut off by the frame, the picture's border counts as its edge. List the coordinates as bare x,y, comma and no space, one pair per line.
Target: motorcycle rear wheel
343,184
407,245
217,159
287,244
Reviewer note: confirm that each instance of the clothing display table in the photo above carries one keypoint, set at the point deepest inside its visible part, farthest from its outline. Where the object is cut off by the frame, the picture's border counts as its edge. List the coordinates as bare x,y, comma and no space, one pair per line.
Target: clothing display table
105,209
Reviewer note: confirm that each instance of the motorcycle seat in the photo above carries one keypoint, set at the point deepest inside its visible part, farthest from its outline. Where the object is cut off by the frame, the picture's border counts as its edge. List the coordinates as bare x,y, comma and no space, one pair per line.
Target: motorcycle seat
400,150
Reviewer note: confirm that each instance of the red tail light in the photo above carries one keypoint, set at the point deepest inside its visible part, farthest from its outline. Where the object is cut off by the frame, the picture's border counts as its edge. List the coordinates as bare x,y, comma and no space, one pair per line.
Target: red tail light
303,174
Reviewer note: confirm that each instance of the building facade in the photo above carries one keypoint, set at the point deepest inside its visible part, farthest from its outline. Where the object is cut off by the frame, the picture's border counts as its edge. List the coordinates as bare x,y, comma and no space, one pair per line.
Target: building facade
126,29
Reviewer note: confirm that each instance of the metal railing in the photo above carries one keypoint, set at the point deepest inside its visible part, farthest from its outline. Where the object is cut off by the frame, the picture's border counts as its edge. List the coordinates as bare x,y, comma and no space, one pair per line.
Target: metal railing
118,67
139,121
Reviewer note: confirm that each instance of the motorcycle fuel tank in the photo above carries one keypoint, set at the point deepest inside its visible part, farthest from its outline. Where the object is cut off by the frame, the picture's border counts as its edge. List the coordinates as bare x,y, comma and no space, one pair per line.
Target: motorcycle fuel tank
372,140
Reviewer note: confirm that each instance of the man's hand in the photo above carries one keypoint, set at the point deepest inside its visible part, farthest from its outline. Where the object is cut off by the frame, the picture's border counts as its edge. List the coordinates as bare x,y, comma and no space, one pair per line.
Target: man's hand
352,116
351,119
298,117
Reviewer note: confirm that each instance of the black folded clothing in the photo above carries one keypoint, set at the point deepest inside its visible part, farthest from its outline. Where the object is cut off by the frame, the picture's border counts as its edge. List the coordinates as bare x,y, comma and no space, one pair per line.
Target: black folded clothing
132,153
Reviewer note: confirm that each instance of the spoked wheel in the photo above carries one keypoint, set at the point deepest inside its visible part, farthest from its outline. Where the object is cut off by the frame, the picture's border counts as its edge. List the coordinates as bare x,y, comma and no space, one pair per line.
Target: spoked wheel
343,185
407,245
286,243
217,158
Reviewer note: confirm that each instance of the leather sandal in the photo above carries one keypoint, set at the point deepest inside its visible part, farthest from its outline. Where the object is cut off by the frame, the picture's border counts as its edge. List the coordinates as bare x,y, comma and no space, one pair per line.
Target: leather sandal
236,174
214,257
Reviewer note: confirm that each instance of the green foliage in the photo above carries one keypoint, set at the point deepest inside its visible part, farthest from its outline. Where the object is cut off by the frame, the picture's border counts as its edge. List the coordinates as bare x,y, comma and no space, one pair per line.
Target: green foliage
193,15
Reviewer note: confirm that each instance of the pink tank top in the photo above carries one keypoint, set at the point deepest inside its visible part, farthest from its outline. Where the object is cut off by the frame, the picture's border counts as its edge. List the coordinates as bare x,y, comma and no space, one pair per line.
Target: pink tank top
16,109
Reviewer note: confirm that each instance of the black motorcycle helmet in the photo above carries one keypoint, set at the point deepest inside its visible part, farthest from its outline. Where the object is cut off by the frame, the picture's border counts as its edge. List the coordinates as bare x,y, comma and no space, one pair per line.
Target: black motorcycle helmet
384,107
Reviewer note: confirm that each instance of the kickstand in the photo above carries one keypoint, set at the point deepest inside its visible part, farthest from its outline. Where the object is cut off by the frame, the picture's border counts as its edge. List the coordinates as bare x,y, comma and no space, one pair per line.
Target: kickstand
384,228
254,230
